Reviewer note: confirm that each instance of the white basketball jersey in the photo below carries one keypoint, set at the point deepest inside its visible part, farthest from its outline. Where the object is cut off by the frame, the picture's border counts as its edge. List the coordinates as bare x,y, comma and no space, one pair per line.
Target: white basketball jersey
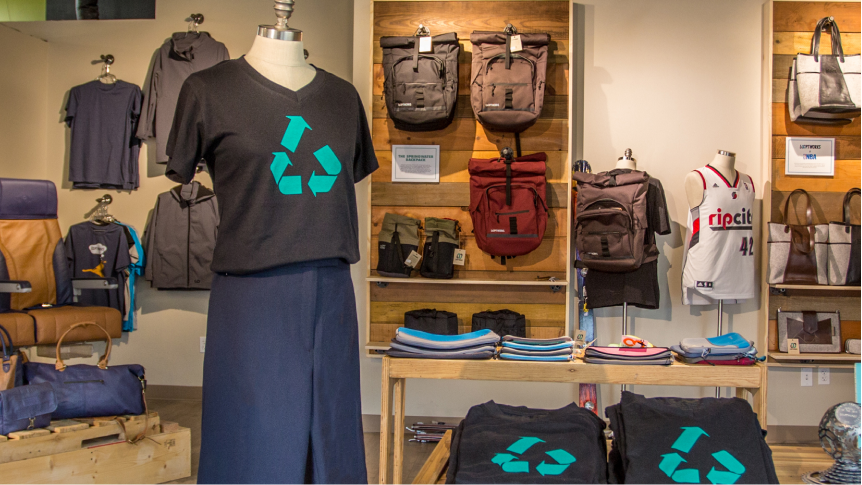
718,263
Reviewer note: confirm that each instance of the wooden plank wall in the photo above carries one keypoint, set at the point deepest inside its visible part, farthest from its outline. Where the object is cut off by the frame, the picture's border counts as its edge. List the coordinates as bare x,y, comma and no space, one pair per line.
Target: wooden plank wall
793,27
463,139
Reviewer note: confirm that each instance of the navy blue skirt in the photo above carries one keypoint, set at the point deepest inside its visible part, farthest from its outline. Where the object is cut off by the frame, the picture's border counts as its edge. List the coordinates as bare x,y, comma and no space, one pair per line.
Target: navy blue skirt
281,395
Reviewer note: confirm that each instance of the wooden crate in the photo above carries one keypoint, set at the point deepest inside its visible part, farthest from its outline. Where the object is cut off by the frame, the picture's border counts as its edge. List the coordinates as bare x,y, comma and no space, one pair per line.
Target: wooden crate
94,450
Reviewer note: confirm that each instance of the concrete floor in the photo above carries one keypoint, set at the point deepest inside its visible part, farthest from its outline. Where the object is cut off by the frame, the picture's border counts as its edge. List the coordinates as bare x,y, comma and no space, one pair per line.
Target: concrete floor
188,414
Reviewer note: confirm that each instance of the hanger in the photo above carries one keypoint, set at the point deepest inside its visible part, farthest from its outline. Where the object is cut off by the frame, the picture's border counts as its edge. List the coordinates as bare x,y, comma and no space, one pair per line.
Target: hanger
99,215
106,77
194,20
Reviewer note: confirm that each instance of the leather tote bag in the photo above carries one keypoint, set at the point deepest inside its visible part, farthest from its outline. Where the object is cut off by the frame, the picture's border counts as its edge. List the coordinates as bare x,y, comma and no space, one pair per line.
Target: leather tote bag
10,362
91,390
843,248
824,88
797,252
818,332
26,407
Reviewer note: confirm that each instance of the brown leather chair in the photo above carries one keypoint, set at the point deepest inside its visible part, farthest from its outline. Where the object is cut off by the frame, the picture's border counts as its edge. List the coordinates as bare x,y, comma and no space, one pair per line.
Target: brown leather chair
37,292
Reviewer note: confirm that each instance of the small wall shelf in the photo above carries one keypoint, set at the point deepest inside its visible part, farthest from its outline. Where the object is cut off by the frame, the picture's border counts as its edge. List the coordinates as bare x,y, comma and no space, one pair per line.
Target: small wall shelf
817,287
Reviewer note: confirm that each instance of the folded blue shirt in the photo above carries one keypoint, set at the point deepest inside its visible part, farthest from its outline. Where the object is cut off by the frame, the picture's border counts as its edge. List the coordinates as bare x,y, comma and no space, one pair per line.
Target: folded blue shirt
539,348
434,341
419,350
550,358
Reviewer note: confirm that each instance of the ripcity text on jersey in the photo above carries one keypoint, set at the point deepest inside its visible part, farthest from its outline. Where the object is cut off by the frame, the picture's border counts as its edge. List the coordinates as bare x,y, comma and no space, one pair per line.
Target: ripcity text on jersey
719,249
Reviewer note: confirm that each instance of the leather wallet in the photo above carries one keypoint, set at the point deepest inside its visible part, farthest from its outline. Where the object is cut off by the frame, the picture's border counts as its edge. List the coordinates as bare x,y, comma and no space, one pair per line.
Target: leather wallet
818,332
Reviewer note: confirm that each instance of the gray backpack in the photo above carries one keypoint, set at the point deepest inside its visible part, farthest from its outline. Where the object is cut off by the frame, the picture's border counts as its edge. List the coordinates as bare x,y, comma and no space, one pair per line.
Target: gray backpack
420,88
507,90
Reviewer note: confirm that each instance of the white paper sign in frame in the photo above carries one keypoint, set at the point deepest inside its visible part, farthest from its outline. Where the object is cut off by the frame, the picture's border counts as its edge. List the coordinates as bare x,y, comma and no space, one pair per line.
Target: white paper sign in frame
810,156
416,163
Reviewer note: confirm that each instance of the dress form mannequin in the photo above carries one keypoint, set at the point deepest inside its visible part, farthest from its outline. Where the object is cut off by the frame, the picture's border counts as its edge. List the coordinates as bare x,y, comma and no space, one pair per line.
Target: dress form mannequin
626,161
278,54
724,162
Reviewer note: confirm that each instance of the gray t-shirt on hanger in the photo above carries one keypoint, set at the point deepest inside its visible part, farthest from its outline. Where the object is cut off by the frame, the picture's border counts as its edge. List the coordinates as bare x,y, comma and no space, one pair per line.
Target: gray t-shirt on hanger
103,151
181,55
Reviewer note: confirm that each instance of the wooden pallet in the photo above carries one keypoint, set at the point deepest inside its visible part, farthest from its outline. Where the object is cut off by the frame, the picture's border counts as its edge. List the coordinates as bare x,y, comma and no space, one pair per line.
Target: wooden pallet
95,450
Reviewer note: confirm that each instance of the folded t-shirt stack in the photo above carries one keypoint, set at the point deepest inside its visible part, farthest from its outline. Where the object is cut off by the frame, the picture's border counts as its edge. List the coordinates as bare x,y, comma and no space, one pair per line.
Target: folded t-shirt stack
628,355
423,345
676,440
727,349
507,444
537,349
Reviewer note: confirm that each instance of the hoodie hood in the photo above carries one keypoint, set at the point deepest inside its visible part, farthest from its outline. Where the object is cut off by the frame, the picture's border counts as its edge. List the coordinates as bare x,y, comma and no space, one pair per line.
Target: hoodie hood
184,44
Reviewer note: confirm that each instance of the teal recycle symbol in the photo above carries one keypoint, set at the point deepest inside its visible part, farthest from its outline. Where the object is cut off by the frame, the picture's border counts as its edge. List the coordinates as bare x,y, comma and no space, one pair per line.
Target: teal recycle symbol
511,464
690,435
292,184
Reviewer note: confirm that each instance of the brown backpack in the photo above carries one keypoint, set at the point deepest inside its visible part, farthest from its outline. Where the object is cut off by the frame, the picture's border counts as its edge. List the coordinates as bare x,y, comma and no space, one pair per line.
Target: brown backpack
507,89
611,222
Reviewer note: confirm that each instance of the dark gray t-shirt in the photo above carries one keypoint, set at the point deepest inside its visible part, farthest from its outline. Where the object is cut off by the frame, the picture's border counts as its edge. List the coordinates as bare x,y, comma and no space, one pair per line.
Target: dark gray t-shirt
96,251
283,164
104,149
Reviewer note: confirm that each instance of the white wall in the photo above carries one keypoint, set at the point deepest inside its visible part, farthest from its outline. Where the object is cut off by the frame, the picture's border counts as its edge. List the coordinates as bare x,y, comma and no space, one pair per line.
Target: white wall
32,135
674,80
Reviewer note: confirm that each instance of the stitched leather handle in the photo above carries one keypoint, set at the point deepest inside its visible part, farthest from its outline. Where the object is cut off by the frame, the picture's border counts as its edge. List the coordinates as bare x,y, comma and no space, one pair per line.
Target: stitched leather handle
837,48
809,218
103,362
849,195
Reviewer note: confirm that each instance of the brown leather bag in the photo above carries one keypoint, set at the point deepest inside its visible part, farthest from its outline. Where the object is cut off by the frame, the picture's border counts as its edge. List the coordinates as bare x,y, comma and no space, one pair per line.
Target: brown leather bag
794,249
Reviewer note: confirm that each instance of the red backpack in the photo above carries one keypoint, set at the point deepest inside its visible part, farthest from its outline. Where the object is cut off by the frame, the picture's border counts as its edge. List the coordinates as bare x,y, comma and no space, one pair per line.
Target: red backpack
507,203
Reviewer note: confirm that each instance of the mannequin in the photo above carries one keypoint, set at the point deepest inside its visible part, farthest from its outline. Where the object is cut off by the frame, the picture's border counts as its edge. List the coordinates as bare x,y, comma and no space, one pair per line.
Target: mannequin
724,162
277,52
281,61
626,161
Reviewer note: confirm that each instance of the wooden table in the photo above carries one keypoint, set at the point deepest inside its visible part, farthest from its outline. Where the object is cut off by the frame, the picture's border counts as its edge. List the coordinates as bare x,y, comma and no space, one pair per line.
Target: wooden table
746,380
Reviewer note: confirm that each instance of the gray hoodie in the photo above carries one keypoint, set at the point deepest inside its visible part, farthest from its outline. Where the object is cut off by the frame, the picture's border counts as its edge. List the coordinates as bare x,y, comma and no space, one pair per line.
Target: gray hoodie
180,238
181,55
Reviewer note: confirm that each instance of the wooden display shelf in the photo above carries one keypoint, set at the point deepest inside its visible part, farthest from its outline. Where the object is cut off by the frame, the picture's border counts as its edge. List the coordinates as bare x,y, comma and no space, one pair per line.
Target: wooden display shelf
817,287
468,281
783,359
395,371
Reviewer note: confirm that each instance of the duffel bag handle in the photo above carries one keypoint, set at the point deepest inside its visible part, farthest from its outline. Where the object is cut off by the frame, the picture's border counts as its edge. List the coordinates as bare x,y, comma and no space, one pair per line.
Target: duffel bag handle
849,195
837,48
103,362
809,219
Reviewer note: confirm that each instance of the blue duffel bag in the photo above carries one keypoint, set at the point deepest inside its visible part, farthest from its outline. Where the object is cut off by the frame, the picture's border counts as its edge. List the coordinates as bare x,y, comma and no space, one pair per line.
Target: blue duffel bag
85,391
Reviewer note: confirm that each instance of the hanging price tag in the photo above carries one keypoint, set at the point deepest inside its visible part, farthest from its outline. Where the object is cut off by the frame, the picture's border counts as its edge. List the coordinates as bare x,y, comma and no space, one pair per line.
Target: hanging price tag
460,257
413,259
425,44
516,44
793,346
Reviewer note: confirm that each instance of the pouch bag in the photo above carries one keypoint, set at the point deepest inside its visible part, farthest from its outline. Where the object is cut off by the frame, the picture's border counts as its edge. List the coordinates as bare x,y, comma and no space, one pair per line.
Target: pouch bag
84,391
843,248
26,407
432,321
797,252
818,332
501,322
399,235
441,241
507,89
420,88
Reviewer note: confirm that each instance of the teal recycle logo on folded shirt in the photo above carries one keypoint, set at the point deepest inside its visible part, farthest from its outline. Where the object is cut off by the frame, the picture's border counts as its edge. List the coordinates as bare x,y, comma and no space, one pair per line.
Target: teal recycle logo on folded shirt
292,184
512,464
690,435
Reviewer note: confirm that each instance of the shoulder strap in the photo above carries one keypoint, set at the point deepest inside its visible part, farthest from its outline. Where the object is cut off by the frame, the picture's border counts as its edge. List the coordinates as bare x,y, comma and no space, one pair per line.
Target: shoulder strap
808,212
849,195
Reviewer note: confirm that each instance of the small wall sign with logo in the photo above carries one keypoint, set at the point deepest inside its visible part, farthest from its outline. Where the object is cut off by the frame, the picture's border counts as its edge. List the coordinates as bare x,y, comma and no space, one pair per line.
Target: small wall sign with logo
793,346
416,163
810,157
